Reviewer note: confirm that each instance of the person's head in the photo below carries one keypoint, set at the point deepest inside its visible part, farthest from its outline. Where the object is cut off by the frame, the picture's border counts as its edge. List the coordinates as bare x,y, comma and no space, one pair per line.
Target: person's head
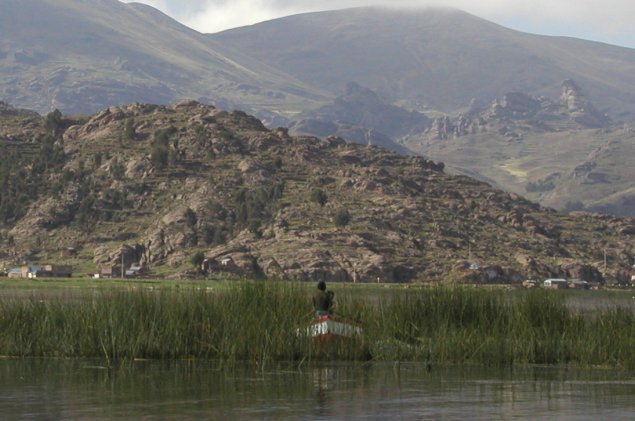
321,286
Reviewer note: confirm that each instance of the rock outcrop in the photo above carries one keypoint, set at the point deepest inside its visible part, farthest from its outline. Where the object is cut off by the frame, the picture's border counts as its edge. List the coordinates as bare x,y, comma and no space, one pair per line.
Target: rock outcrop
581,110
516,113
162,184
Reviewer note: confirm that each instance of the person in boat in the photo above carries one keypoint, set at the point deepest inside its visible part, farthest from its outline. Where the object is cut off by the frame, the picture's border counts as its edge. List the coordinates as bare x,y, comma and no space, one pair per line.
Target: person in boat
323,300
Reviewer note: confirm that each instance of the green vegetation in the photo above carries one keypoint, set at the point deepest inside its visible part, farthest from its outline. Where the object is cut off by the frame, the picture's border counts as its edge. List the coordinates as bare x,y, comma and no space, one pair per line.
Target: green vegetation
24,170
342,217
197,259
319,196
129,129
255,206
162,154
259,321
53,121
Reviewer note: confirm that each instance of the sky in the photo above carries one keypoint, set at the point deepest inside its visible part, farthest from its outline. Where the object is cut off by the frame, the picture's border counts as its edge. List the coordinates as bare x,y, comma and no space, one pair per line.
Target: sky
610,21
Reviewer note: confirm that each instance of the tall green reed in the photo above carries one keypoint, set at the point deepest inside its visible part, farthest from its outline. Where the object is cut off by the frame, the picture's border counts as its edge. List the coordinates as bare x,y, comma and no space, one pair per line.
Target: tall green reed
264,322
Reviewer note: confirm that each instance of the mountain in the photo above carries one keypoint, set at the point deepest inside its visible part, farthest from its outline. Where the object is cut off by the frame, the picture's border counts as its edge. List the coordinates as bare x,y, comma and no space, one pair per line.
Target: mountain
436,82
361,116
519,111
435,59
443,64
82,56
563,153
162,185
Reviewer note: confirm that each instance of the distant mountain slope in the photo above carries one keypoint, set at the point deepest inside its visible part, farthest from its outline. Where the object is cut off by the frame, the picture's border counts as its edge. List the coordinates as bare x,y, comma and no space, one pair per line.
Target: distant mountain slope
421,75
361,116
81,56
562,153
434,58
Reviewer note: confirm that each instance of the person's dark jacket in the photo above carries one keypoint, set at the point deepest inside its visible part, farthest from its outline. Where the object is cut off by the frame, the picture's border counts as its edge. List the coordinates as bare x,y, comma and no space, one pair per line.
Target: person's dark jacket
323,301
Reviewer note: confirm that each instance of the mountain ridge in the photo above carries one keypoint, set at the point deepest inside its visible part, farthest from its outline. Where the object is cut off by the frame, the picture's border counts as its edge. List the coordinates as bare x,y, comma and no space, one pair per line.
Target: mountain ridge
470,54
82,57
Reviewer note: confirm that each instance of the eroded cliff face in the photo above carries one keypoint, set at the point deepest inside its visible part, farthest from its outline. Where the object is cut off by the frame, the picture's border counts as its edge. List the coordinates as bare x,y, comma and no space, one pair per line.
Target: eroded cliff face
163,183
516,114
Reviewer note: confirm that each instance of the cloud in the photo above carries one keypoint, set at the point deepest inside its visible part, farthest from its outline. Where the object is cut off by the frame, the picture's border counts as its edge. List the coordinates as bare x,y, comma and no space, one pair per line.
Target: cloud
215,16
607,20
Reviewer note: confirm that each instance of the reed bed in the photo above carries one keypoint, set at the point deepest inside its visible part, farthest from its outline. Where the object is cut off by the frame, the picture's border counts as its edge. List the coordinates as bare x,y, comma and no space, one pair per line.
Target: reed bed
260,322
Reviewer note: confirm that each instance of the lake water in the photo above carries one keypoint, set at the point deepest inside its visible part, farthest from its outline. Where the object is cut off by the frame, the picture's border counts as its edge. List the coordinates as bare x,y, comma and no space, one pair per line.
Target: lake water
49,389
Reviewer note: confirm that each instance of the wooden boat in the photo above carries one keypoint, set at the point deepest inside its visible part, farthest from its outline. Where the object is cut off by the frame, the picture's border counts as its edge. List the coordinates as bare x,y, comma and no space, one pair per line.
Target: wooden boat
329,327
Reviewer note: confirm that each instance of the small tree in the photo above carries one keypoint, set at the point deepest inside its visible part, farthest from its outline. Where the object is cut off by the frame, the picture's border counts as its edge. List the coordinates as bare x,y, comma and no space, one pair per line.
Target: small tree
159,157
319,196
197,259
129,130
342,217
190,218
97,159
53,121
160,153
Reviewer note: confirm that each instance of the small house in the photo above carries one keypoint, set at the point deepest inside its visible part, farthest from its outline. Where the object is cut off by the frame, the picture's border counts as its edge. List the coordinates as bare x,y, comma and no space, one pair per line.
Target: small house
109,272
57,271
224,264
42,271
530,283
14,273
556,283
578,284
227,262
134,271
474,266
209,265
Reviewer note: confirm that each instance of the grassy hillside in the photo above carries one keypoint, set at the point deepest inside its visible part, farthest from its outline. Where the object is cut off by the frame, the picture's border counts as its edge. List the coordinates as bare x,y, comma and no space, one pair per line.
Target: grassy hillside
85,56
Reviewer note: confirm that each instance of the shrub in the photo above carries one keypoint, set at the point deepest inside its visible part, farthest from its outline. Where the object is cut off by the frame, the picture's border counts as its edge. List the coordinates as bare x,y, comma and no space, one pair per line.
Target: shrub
319,196
342,218
129,130
197,259
53,121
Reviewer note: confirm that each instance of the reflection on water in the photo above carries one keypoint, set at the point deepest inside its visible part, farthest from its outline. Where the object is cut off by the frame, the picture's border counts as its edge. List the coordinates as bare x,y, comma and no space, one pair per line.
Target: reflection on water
150,390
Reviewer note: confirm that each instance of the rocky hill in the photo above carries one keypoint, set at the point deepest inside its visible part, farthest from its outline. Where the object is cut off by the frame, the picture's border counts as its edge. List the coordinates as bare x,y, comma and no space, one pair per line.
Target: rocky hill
516,114
405,80
169,185
563,153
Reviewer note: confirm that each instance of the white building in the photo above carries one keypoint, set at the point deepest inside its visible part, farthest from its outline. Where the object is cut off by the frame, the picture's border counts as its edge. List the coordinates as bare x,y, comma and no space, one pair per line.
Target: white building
556,283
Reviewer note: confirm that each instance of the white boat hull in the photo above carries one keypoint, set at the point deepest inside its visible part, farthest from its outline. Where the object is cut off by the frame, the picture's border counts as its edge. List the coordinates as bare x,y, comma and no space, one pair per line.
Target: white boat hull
324,327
